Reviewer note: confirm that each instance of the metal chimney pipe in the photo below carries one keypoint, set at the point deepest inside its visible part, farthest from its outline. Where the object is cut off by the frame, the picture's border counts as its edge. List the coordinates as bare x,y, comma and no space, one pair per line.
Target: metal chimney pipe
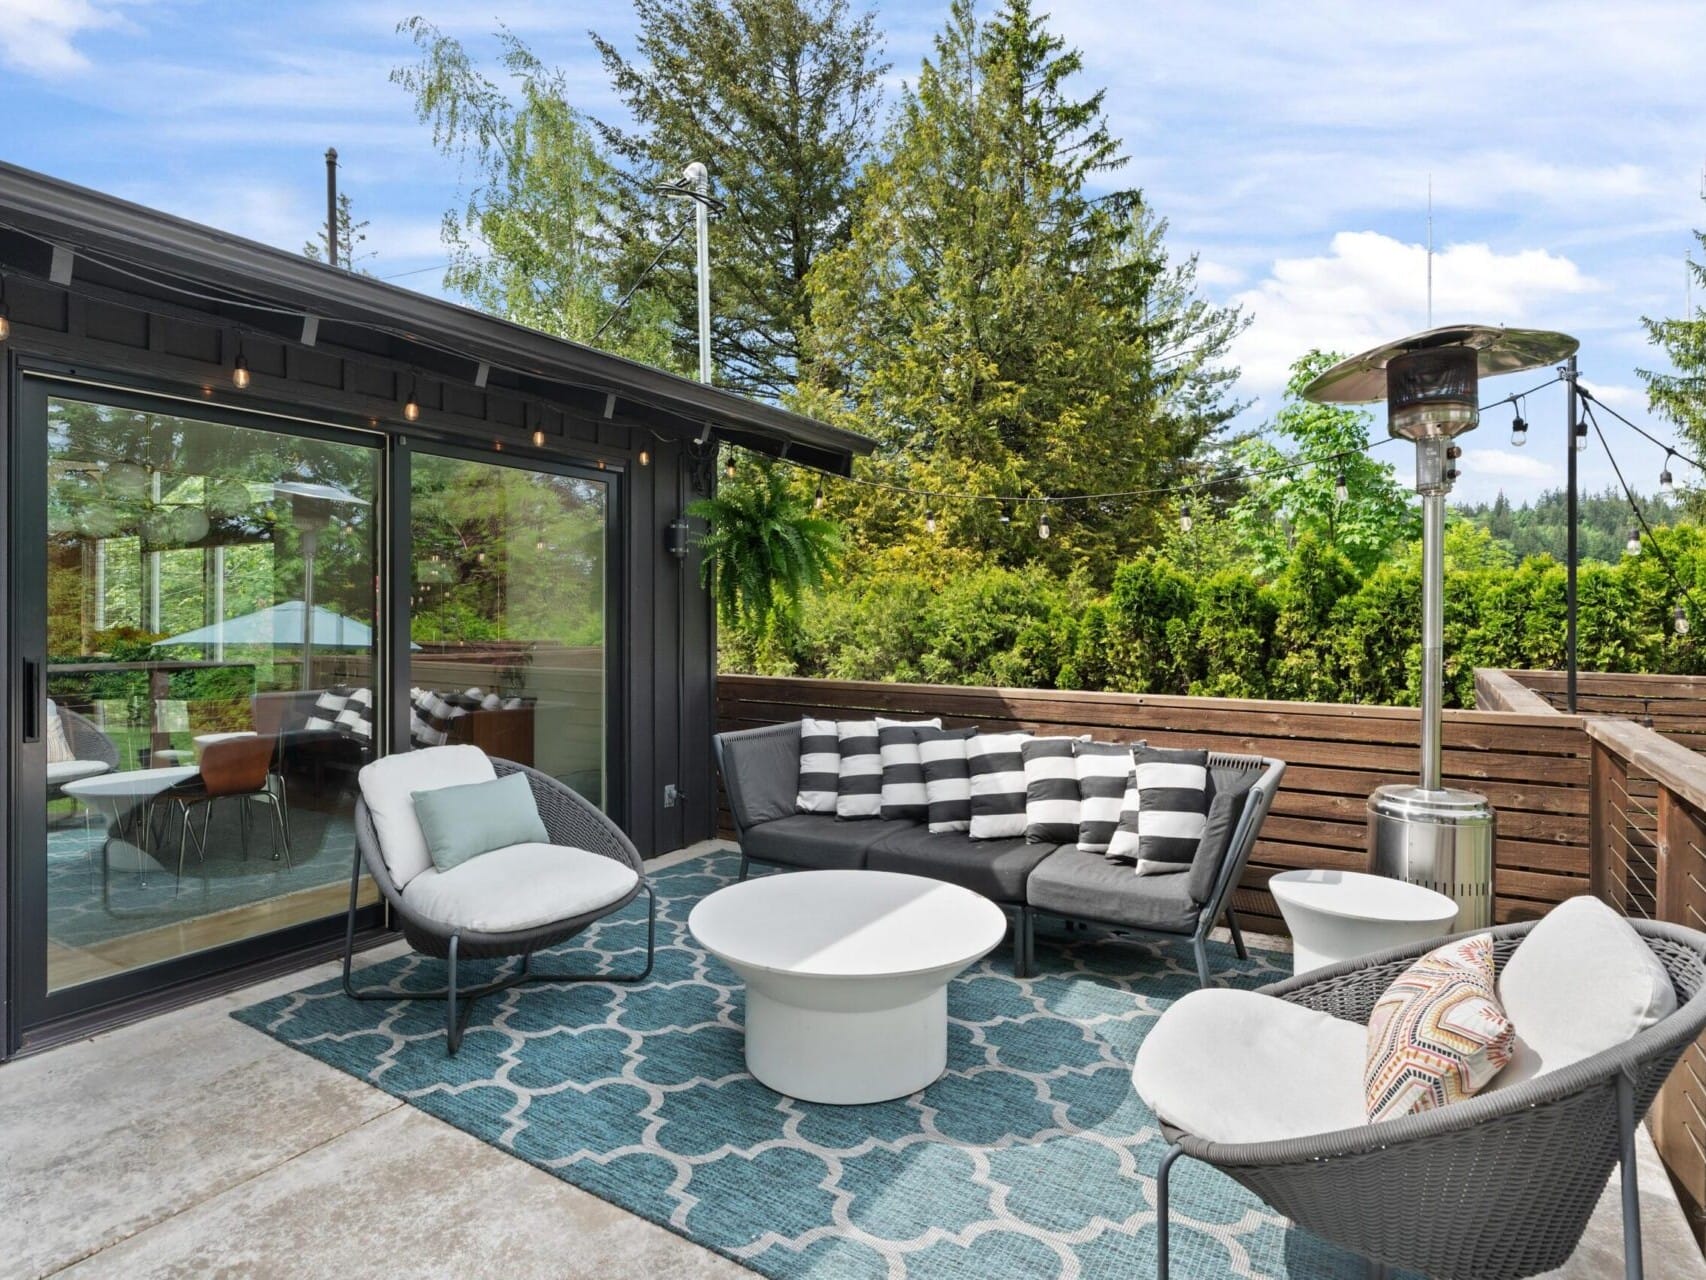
332,206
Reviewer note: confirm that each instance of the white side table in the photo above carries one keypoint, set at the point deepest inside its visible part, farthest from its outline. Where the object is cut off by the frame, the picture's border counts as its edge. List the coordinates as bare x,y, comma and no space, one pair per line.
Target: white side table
846,976
1339,915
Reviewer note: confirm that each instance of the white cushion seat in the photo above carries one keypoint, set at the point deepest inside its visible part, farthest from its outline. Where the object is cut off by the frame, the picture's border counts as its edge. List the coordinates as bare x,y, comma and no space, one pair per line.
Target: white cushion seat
388,785
59,772
1238,1066
518,887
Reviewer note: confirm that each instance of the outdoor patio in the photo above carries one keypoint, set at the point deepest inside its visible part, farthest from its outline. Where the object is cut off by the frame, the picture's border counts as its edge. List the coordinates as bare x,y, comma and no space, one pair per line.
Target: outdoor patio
192,1143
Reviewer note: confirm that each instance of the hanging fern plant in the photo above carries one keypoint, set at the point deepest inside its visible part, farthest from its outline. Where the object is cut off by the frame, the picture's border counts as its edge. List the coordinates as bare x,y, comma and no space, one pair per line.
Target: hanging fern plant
765,548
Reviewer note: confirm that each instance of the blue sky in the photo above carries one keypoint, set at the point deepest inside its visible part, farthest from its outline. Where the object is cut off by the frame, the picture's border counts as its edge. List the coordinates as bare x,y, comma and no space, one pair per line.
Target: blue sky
1290,144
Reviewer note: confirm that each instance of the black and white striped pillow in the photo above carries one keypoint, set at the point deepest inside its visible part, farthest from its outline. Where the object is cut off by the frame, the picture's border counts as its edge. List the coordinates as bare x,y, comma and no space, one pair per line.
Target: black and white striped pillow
997,765
820,766
1051,791
859,782
327,707
903,794
1103,769
1170,788
947,778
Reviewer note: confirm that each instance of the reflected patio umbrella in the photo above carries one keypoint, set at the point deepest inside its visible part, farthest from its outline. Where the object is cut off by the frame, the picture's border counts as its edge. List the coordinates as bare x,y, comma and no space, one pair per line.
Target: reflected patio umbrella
283,626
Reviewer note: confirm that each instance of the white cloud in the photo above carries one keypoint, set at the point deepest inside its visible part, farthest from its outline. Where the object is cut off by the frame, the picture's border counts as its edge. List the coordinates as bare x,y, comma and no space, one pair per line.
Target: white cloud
1519,475
1369,288
39,36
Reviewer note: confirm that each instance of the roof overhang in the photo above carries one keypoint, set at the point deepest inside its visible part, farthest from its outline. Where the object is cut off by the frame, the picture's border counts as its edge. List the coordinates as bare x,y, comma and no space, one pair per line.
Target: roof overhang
244,271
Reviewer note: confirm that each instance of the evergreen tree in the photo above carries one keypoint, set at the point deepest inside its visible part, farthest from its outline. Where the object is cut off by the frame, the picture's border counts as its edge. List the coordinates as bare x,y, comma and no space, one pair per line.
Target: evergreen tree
530,241
1002,329
779,99
1681,395
350,234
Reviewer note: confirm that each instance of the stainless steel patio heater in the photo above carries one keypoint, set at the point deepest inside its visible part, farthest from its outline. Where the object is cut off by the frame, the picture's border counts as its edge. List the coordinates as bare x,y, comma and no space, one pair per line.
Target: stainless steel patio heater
1428,833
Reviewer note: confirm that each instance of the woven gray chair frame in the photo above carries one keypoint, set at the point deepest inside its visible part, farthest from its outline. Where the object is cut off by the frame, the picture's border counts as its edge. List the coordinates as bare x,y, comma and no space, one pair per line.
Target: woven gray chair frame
86,743
1499,1186
570,819
1219,905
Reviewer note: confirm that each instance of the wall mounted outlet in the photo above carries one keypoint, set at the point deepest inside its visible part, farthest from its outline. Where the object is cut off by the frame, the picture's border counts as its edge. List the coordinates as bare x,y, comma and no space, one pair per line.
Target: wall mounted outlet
670,795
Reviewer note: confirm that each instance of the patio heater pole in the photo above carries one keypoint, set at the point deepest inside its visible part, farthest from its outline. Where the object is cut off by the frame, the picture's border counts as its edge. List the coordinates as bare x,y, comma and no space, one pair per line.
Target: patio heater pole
1571,550
1426,832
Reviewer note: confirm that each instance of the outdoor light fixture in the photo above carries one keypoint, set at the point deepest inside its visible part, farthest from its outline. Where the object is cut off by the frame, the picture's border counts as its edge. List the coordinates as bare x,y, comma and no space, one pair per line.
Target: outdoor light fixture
538,437
1633,546
817,502
1185,518
1428,833
1341,490
645,457
729,467
240,373
1681,621
930,522
679,540
1582,436
1042,527
1519,430
5,317
1667,485
411,410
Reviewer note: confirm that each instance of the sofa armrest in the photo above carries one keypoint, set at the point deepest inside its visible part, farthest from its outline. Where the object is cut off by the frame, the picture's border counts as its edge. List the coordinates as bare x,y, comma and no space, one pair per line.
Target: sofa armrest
761,772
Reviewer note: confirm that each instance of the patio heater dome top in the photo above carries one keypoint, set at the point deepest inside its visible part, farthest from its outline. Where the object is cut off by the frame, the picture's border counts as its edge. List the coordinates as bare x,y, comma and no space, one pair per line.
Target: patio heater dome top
1364,377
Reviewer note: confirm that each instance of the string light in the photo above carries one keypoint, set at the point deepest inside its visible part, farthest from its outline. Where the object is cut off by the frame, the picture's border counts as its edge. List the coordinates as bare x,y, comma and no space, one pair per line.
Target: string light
817,502
240,373
1519,430
1042,527
930,522
1006,515
1681,617
645,457
5,316
1341,490
1633,546
729,467
1581,436
538,437
1185,518
1667,484
411,410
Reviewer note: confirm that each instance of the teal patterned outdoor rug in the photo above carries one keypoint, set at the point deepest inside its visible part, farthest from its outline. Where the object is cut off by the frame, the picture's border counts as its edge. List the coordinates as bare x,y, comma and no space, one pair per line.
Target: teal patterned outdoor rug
1031,1157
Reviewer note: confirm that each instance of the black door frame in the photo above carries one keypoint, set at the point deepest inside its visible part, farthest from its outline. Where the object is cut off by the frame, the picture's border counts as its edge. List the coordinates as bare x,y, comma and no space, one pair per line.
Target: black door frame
33,1012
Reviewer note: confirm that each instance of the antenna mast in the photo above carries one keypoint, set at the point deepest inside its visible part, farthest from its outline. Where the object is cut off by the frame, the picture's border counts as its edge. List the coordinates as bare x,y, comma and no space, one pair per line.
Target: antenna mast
1431,248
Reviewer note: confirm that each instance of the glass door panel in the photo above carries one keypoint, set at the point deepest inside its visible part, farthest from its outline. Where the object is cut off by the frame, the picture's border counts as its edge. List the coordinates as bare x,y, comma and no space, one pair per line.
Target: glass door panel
209,680
508,615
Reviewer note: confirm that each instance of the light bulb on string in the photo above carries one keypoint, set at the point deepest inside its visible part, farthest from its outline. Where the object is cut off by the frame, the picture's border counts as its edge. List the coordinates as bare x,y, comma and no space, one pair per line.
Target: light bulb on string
930,522
5,316
1006,516
1667,483
645,457
538,437
1042,526
1341,489
817,502
1581,436
411,410
1185,518
1519,430
1681,617
240,373
729,467
1633,546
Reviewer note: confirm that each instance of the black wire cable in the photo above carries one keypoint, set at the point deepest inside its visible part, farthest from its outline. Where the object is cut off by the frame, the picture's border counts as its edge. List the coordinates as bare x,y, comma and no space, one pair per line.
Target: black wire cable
621,302
1640,516
1589,398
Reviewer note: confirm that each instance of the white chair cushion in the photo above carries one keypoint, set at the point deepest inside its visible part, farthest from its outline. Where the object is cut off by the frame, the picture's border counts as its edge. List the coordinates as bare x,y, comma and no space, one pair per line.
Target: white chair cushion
1580,983
388,785
520,886
59,772
1235,1066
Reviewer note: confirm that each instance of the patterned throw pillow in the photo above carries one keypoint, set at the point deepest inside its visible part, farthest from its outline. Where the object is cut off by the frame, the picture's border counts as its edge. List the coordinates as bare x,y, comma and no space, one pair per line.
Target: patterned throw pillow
356,718
903,794
947,778
1439,1034
1051,790
58,745
859,782
997,765
1164,811
1103,769
820,766
430,717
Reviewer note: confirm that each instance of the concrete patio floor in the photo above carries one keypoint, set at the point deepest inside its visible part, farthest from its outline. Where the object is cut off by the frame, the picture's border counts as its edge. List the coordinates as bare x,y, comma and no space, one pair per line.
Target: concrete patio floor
190,1145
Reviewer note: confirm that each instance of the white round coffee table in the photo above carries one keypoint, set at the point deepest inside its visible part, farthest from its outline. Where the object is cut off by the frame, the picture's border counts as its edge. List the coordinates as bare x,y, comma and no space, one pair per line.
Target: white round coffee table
846,976
1340,915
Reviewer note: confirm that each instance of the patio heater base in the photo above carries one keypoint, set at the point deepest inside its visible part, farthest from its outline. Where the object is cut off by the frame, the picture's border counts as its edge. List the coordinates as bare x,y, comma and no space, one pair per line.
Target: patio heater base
1440,839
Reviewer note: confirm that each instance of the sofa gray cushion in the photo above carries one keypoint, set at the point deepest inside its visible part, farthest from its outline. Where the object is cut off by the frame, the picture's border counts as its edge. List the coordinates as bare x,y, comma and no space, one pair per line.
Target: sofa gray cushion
761,772
1230,797
1086,885
997,869
816,841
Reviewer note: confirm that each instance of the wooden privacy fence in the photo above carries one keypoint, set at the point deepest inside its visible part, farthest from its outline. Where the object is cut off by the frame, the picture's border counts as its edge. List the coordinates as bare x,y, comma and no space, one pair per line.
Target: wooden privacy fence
1534,768
1672,705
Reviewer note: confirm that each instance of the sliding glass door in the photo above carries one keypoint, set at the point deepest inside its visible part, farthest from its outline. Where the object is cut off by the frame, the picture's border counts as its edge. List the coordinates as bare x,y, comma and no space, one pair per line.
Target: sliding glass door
196,616
509,614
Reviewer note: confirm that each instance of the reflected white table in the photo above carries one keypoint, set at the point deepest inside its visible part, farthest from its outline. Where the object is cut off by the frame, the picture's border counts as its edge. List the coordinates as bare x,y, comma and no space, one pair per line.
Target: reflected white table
1340,915
846,976
125,799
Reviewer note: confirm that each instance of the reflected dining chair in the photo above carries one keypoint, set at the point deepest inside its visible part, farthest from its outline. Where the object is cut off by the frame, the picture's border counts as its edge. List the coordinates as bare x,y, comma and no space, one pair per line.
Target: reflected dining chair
236,768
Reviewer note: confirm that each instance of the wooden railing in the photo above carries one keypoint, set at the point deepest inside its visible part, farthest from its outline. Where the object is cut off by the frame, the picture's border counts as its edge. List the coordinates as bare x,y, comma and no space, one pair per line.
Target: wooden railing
1672,705
1533,768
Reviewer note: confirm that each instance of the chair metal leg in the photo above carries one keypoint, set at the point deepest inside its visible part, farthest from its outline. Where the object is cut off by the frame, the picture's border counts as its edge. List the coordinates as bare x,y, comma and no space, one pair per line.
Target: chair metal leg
1021,965
743,867
1633,1266
1162,1176
1201,951
1237,935
452,1024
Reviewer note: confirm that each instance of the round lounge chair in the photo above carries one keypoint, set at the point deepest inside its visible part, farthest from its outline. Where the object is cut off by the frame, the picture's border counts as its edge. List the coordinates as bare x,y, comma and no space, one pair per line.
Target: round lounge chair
438,924
95,752
1501,1185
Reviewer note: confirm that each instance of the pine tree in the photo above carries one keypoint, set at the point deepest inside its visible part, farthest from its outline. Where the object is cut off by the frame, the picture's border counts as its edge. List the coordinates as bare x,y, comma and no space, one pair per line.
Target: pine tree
350,233
1681,395
1003,328
531,239
779,99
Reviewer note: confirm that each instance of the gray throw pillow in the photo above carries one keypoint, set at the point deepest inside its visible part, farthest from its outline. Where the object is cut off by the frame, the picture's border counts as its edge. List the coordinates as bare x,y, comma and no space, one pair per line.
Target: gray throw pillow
463,822
1223,814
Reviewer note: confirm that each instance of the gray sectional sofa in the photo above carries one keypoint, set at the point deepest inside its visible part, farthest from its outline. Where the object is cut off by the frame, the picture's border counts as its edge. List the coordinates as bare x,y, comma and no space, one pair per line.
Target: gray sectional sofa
761,773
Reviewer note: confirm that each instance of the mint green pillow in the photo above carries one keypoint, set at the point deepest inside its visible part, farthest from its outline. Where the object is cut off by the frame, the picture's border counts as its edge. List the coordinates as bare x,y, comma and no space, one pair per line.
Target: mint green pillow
463,822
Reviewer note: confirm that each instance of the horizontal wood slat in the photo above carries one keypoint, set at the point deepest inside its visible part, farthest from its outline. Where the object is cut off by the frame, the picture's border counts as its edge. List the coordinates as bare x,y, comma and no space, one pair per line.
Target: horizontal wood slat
1533,767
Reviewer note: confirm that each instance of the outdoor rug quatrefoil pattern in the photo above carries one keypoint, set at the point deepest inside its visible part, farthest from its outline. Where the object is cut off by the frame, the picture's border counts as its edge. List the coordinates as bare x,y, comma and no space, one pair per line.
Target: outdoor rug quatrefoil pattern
1031,1157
